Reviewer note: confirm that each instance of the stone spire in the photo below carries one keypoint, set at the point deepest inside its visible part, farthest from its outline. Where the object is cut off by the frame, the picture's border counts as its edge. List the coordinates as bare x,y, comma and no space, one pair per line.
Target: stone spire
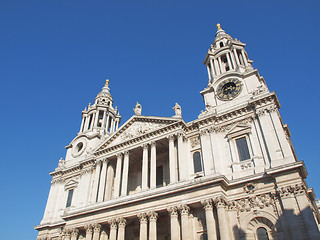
104,95
220,34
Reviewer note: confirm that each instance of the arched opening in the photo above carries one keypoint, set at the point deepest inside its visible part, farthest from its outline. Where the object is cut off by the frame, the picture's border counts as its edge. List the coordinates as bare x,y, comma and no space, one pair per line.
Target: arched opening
262,234
221,44
197,162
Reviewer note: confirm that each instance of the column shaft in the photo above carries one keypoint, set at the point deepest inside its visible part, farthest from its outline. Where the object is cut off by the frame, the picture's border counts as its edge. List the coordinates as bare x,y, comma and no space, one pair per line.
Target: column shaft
181,161
153,226
109,183
153,167
174,224
185,223
118,176
121,229
125,173
222,220
145,167
96,182
211,224
113,230
172,161
102,182
143,227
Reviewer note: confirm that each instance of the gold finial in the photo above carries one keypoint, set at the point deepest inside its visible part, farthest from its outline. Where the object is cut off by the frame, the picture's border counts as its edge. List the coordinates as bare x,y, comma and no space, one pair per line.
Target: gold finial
219,26
107,83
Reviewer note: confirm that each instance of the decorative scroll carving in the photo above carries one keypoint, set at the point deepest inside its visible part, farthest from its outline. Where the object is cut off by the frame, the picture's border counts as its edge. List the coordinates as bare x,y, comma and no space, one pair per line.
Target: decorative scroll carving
88,228
96,227
74,232
113,224
261,201
224,128
195,142
220,202
290,190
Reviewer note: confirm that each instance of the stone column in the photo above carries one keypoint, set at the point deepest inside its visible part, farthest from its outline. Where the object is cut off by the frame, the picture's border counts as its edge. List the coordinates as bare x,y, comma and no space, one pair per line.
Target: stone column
236,56
143,226
174,223
125,174
103,125
153,216
229,61
88,232
222,220
96,181
215,62
86,122
220,64
211,223
121,228
184,212
172,160
145,167
109,184
82,122
209,74
118,176
74,234
212,67
102,182
113,229
244,57
96,231
181,158
153,167
103,235
108,123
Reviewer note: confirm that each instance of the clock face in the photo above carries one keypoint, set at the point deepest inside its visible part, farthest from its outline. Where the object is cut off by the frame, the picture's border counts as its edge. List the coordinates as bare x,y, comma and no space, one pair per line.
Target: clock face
228,89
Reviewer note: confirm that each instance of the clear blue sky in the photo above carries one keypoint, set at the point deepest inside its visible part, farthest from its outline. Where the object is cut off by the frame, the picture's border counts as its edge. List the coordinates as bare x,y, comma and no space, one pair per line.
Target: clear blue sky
56,55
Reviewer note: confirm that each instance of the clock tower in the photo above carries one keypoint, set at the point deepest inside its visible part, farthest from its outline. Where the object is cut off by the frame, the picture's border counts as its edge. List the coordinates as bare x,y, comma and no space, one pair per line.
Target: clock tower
232,79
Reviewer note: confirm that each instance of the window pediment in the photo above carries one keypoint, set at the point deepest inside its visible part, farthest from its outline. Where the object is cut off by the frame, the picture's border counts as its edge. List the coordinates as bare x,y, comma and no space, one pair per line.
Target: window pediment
238,130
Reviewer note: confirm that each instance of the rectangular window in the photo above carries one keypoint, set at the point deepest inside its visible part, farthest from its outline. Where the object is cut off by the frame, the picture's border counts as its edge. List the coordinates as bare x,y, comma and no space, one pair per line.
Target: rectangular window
159,178
69,200
243,149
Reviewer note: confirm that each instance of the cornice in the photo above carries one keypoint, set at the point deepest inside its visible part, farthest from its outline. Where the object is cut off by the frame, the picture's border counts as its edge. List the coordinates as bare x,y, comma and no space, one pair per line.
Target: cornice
72,169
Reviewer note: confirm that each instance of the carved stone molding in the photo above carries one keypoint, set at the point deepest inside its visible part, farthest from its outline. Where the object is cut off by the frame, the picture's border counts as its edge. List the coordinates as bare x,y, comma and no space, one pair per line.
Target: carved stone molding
126,153
171,137
143,218
289,191
260,201
119,155
96,227
145,145
224,128
153,143
74,232
153,216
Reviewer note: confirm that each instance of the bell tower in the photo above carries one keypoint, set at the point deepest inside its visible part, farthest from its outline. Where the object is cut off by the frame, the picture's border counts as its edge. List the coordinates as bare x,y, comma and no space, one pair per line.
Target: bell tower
99,121
232,79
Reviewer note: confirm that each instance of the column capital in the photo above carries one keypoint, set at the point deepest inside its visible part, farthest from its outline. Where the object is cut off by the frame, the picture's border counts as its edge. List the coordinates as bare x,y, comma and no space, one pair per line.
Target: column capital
121,222
105,160
126,153
153,216
113,224
153,143
173,211
96,227
171,137
143,218
220,202
99,161
145,146
184,209
207,204
119,155
88,228
74,232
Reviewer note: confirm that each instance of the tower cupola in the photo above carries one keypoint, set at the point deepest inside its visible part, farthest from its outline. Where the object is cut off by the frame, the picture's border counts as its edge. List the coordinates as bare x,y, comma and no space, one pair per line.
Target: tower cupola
101,117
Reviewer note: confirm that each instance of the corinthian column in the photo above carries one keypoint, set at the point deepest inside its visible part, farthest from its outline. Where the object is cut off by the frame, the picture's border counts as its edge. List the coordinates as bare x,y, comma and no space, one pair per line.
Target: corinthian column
172,160
96,231
121,228
118,176
113,229
96,182
153,167
74,234
174,223
143,226
211,224
125,174
153,216
102,182
184,211
66,235
88,232
222,220
145,167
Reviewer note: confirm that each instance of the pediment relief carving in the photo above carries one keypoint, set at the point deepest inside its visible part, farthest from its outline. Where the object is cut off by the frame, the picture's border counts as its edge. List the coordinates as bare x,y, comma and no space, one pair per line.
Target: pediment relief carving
136,127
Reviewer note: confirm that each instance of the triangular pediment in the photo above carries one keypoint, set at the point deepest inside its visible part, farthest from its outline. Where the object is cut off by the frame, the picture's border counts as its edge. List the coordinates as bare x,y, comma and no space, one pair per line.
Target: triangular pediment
238,130
137,126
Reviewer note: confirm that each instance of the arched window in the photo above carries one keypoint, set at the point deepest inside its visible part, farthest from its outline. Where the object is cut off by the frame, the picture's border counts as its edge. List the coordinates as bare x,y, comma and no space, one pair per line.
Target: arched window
221,44
204,236
262,233
197,162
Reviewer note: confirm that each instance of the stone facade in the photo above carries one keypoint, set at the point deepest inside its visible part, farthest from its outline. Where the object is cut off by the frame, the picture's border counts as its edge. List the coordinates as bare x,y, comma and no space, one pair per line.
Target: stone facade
232,173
